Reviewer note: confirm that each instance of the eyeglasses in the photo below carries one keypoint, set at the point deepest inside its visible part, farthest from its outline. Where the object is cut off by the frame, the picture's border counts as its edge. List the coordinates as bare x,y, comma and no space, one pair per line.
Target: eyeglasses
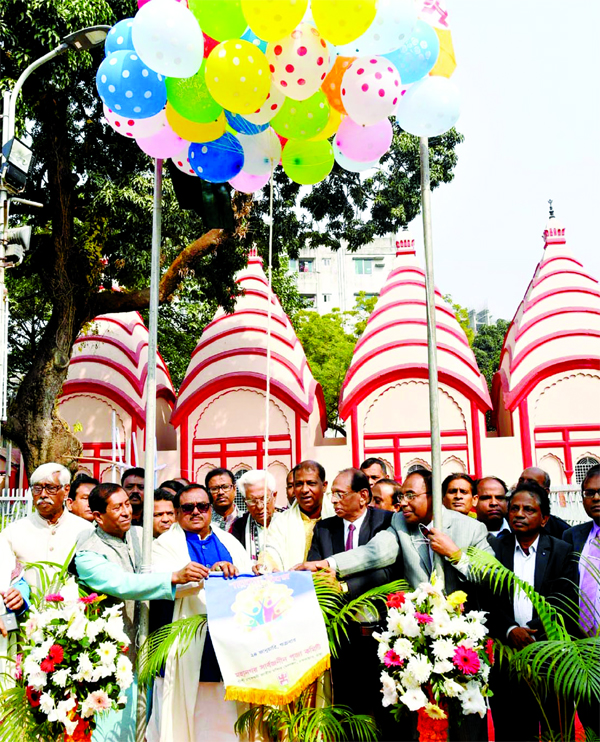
259,503
409,496
590,494
189,507
51,489
342,495
220,488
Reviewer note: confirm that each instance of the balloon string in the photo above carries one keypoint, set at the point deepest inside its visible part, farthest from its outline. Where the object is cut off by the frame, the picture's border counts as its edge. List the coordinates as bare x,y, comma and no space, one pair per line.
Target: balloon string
268,388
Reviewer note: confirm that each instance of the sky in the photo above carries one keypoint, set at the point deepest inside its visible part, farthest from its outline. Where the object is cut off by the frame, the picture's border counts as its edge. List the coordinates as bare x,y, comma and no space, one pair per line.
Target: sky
529,77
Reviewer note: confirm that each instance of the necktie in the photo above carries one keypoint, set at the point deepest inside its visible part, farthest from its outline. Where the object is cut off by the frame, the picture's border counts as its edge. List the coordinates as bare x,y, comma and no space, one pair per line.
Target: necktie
588,587
349,540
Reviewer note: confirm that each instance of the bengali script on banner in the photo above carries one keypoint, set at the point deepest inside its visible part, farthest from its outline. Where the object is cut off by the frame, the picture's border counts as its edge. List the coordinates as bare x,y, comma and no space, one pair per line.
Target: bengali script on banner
269,635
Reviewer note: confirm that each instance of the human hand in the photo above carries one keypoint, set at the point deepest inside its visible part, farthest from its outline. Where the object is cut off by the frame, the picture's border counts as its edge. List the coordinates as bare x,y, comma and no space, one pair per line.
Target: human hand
3,630
521,636
13,599
227,568
441,543
192,572
311,566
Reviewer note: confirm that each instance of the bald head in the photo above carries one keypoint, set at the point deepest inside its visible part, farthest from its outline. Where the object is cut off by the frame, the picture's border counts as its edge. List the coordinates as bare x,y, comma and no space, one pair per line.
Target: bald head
534,474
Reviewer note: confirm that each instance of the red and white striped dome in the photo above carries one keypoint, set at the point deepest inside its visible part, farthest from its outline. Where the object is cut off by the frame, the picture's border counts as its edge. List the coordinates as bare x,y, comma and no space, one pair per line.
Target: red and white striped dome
394,343
557,325
233,351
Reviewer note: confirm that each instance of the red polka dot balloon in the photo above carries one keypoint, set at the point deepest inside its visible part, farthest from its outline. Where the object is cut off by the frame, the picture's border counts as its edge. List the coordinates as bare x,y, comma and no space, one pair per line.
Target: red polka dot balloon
269,108
134,128
371,89
299,62
182,162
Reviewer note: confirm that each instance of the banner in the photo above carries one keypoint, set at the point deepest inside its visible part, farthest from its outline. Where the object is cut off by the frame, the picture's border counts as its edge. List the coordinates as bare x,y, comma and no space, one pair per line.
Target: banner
269,635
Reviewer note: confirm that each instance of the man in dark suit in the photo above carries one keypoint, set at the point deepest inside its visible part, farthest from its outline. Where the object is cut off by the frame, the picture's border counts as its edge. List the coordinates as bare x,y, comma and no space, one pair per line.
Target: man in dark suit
354,524
555,526
544,562
585,541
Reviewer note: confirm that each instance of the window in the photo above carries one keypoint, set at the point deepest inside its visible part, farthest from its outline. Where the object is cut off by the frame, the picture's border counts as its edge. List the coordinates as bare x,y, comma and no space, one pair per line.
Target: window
363,266
582,466
293,265
326,263
326,298
306,265
310,300
240,500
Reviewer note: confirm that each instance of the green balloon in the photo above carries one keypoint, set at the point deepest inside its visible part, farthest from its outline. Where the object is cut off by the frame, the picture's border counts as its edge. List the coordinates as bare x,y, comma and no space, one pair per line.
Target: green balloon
302,119
307,162
219,19
189,96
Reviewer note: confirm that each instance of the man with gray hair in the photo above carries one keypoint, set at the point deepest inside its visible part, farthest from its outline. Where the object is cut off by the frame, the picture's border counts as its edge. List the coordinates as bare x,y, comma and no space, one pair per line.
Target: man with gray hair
250,528
50,532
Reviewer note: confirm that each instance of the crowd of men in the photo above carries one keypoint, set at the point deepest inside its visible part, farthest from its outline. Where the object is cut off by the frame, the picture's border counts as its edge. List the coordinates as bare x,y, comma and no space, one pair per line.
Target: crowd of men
364,531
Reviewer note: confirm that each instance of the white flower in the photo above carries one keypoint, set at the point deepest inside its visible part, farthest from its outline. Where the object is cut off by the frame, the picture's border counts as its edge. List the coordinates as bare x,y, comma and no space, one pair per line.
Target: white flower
414,698
103,671
480,616
31,624
114,628
406,625
61,677
443,666
38,680
420,668
459,625
70,726
403,648
70,591
30,666
76,630
107,652
46,703
452,689
85,668
112,611
472,700
476,631
443,649
38,636
388,688
124,672
485,671
40,653
60,713
94,628
382,648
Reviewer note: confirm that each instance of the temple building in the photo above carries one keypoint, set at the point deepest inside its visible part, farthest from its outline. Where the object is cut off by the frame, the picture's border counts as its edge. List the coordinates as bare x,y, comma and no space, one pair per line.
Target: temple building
546,392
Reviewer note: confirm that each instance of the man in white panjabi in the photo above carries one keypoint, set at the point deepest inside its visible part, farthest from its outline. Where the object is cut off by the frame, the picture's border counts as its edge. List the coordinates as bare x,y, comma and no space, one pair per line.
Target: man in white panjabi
190,705
50,532
250,528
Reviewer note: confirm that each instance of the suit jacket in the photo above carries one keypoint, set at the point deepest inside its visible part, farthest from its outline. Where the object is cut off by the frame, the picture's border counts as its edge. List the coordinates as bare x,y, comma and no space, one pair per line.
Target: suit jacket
555,578
577,536
328,539
402,538
238,529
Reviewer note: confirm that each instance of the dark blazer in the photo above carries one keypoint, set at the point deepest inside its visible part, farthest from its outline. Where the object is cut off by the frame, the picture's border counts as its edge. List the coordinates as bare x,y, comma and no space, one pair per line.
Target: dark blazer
328,539
555,578
238,529
577,536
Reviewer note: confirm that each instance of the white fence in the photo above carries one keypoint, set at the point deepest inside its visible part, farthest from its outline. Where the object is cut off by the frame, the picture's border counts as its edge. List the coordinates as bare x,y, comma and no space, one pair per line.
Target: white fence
14,504
565,502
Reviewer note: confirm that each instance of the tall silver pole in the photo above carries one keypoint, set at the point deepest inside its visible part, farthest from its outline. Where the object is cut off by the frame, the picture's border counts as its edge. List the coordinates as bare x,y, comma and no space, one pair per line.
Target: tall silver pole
150,423
436,452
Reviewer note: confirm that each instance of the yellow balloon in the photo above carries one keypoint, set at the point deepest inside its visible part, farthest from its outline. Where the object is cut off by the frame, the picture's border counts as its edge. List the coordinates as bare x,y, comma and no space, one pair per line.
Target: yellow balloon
271,20
335,119
193,131
341,21
238,76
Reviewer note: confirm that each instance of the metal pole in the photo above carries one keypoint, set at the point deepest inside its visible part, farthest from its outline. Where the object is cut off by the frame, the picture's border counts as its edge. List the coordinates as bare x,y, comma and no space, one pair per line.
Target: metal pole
436,452
150,424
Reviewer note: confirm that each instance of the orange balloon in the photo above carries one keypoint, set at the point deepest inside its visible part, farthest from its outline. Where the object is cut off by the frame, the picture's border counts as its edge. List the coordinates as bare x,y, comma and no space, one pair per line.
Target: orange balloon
332,83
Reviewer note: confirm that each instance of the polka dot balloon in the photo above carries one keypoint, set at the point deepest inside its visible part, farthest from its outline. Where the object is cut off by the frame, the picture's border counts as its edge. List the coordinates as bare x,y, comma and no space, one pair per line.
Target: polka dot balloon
237,76
134,128
392,26
119,37
182,162
269,108
128,87
217,161
273,19
302,119
364,143
370,89
299,63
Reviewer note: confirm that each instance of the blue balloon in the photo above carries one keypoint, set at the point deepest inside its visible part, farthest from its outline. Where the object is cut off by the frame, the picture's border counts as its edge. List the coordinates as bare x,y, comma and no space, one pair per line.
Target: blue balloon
129,87
119,37
242,125
217,161
418,55
250,36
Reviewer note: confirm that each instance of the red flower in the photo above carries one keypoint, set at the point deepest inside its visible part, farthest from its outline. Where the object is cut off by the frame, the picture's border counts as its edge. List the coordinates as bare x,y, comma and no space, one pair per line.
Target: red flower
18,667
33,696
466,660
89,599
56,654
395,600
489,650
423,618
47,665
54,598
391,659
82,732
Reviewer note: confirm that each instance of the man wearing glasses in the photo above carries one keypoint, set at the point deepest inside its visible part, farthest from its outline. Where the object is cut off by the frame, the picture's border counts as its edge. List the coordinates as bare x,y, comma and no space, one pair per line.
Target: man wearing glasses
50,532
250,528
221,485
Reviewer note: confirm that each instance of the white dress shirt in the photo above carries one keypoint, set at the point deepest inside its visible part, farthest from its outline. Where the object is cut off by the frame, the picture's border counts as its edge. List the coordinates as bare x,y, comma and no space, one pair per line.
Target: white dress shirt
357,526
524,569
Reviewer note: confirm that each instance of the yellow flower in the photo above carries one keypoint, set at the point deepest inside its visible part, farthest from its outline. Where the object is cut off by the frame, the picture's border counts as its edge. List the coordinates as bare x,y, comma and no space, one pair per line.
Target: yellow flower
433,711
457,598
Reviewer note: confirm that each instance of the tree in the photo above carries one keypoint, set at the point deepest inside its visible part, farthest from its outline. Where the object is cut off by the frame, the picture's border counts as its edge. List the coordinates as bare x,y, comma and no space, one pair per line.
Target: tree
462,317
95,226
487,346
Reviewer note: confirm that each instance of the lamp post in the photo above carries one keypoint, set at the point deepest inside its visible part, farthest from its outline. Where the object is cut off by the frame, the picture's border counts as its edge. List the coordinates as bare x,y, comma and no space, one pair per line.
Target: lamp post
17,154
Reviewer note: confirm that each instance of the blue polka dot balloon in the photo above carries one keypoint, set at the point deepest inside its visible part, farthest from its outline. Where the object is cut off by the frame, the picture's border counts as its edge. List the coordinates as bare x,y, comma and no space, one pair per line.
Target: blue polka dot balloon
417,55
130,88
242,125
119,37
217,161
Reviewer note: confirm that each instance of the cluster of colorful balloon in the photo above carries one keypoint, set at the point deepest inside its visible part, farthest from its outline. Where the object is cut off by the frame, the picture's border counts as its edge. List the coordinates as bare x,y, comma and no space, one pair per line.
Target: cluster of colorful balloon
230,89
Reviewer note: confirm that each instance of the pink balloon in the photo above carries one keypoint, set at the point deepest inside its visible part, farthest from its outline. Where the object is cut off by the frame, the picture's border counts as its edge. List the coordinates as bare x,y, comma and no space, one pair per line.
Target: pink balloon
134,128
246,183
164,144
364,143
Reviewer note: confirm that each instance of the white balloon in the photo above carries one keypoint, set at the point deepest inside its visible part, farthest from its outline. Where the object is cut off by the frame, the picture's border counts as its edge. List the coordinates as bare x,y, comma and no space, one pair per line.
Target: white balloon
167,38
393,24
430,107
134,128
262,152
182,162
351,166
370,89
269,109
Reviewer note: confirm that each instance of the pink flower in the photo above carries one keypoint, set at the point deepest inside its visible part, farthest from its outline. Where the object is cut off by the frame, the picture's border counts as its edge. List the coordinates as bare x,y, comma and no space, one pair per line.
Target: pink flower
423,618
391,659
18,667
96,701
395,600
89,599
54,598
466,660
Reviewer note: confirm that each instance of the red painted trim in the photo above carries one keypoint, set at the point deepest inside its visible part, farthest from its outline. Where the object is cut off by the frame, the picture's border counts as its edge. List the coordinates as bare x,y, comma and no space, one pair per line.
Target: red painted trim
420,448
476,436
408,434
391,285
560,443
232,381
520,357
206,341
298,441
560,257
525,434
552,314
410,302
355,440
550,274
320,397
558,292
572,363
561,428
102,389
236,439
255,449
566,442
239,313
369,333
414,371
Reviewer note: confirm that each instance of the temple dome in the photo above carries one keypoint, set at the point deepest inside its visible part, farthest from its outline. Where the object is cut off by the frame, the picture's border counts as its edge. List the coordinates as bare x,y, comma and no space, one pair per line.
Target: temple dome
394,343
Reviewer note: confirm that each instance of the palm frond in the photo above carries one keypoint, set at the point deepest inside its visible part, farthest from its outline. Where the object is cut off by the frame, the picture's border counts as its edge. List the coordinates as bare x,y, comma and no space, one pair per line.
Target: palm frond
174,637
16,720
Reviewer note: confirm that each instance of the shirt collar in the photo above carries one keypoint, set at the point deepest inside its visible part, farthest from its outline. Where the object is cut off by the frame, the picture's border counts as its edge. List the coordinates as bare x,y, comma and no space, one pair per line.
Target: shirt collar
595,532
532,548
46,523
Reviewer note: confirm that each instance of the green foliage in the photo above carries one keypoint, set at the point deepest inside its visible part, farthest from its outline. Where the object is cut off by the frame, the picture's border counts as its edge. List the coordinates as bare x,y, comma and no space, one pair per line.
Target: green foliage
487,346
176,636
462,317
